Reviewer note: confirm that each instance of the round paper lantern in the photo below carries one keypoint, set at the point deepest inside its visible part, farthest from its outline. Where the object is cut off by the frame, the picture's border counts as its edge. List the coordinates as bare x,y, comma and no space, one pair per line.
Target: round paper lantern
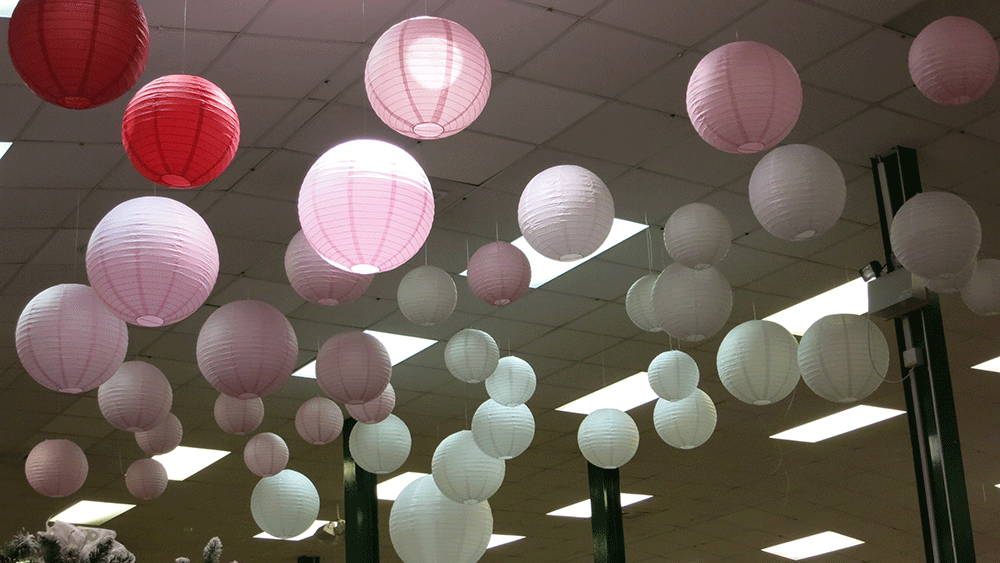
982,294
353,368
697,235
56,468
427,77
78,54
247,349
512,382
471,355
153,260
744,97
137,398
180,131
68,340
565,212
265,454
687,423
935,235
376,410
319,421
955,283
284,505
427,295
953,61
162,438
797,192
146,479
366,206
318,281
503,432
691,305
639,304
758,362
463,472
381,447
427,527
238,416
673,375
608,438
843,358
499,273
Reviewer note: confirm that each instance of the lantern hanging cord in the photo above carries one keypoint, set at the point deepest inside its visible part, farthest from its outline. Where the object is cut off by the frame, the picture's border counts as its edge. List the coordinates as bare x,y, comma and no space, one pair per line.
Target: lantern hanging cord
649,243
76,240
184,40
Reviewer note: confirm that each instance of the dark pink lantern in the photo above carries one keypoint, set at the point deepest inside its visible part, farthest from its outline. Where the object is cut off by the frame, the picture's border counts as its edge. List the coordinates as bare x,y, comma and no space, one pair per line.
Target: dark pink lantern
319,421
376,410
265,454
318,281
137,398
353,367
146,479
954,61
163,438
56,468
238,416
499,273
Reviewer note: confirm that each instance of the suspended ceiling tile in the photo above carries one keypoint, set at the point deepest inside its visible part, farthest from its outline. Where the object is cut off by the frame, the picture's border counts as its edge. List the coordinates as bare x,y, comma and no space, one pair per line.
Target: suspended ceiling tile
7,73
207,14
316,19
102,124
468,157
666,89
802,280
860,206
987,127
542,110
871,68
253,218
982,186
20,104
547,308
598,279
800,249
575,7
640,195
58,165
360,313
338,123
21,244
875,132
235,256
280,296
956,158
516,177
172,51
622,133
258,115
687,22
695,160
278,176
67,246
736,208
876,12
854,252
912,102
79,426
744,264
821,110
303,111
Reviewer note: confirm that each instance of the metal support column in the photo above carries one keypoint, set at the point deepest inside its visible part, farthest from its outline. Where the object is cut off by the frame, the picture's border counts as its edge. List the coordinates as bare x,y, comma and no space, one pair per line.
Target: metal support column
606,515
361,506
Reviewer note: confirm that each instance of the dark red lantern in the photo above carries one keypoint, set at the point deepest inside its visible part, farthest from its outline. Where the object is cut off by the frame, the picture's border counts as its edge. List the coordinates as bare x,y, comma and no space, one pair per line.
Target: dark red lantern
180,131
78,54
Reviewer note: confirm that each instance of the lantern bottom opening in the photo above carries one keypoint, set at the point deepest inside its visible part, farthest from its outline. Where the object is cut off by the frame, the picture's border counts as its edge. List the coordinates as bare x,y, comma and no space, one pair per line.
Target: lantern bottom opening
804,235
365,269
329,301
428,129
73,390
570,257
747,148
149,320
501,302
75,102
175,181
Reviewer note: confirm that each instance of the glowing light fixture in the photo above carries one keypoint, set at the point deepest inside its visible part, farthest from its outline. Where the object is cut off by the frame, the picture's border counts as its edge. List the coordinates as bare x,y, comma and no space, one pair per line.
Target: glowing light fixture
623,395
400,349
92,512
497,540
852,297
5,145
814,545
185,461
390,489
306,534
582,509
989,365
837,424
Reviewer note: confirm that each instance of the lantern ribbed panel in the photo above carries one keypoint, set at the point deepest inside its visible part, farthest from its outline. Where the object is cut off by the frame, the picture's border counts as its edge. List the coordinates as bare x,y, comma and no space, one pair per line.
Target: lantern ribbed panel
137,398
353,368
797,192
427,295
153,260
319,421
376,410
238,416
265,454
180,131
78,54
687,423
608,438
691,305
953,61
673,375
68,340
318,281
512,382
955,283
982,294
427,527
697,235
503,432
843,358
935,234
284,505
499,273
639,304
162,438
758,362
366,206
56,468
565,212
146,479
247,349
463,472
471,355
427,77
381,447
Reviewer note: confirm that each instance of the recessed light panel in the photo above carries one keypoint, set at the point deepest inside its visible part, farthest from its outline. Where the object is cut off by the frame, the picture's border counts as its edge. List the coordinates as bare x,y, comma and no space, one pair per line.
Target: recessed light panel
92,512
989,365
306,534
184,462
837,424
400,348
623,395
6,9
582,509
852,297
390,489
502,539
813,545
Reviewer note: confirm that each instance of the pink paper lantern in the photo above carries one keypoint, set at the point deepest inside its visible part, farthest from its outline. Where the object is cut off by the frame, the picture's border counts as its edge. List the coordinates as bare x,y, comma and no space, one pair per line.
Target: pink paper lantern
247,349
954,61
744,97
146,479
56,468
68,340
238,416
499,273
319,421
137,398
265,454
318,281
427,77
376,410
163,438
353,368
366,206
153,260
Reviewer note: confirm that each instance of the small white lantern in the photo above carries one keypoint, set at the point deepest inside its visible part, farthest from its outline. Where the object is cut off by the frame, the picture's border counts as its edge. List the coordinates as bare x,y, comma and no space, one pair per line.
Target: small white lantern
639,304
843,358
381,447
463,472
319,421
471,355
265,454
512,383
427,295
673,375
285,505
503,432
687,423
163,438
608,438
375,410
427,527
697,235
692,305
935,235
758,362
238,416
982,294
955,283
136,398
146,479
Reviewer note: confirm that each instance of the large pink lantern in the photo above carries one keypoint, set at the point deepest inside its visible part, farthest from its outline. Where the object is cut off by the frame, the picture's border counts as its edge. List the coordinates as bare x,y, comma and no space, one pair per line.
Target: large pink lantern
954,61
375,410
366,206
319,421
427,77
318,281
137,398
353,367
146,479
56,468
744,97
68,340
153,260
163,438
238,416
265,454
499,273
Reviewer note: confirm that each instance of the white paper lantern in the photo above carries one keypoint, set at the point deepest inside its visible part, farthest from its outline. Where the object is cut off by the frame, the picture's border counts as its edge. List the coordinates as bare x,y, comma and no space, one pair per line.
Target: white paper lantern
692,305
137,398
797,192
284,505
843,358
697,235
565,212
935,235
673,375
608,438
319,421
146,479
955,283
512,382
163,438
499,273
375,410
319,281
238,416
427,295
353,367
639,304
427,527
471,355
381,447
265,454
953,60
503,432
56,468
463,472
758,362
982,294
687,423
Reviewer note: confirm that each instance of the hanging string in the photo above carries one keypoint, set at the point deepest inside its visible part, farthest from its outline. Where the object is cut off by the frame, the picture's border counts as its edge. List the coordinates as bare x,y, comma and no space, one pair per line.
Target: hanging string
466,252
509,353
425,253
604,375
496,230
649,243
754,303
76,240
184,40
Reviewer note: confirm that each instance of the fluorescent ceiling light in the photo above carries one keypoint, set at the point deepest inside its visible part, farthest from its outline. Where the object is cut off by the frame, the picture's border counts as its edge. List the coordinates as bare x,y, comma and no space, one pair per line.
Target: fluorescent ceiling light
92,513
390,489
306,534
502,539
837,423
184,462
989,365
400,348
582,508
6,9
626,394
4,146
812,546
852,297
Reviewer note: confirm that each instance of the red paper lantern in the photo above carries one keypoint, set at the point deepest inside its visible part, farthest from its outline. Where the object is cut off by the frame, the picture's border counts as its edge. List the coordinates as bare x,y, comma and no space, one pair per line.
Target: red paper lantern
78,54
180,131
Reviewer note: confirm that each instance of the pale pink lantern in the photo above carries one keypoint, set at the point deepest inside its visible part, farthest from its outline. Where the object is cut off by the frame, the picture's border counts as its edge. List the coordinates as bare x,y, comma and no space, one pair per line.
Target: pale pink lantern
137,398
319,421
68,340
499,273
376,410
954,61
163,438
56,468
238,416
153,260
427,77
318,281
146,479
265,454
366,206
353,367
247,349
744,97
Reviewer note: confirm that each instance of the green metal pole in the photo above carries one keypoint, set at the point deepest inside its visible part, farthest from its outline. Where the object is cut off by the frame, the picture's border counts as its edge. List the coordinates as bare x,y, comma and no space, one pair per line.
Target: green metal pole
606,515
361,505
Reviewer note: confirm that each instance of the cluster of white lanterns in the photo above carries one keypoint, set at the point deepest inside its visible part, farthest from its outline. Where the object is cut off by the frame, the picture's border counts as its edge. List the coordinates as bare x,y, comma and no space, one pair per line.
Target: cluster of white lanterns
684,416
